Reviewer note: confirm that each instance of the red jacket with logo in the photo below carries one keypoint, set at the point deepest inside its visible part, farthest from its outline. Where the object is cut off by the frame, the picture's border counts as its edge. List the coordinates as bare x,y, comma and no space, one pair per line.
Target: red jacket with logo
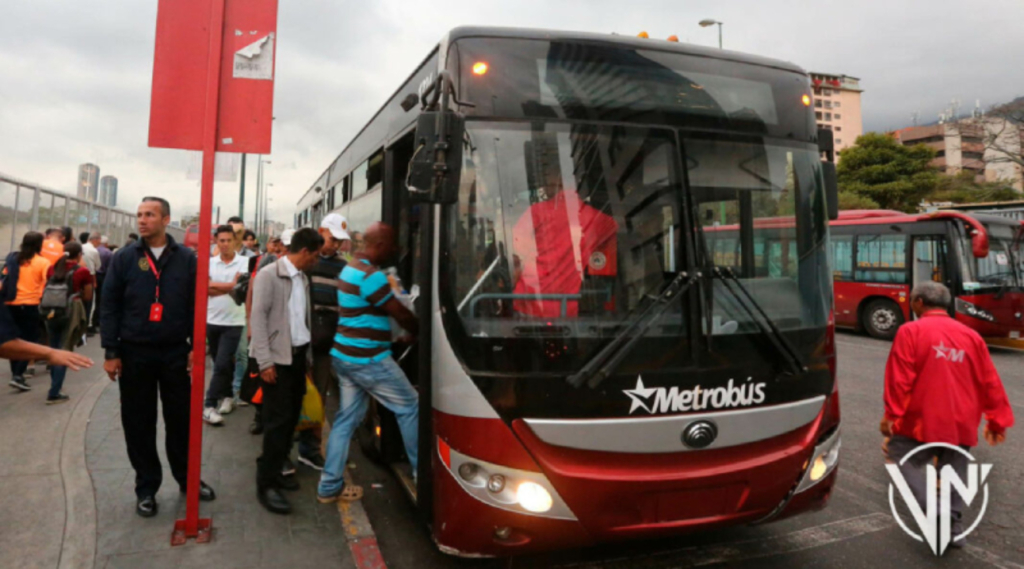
939,380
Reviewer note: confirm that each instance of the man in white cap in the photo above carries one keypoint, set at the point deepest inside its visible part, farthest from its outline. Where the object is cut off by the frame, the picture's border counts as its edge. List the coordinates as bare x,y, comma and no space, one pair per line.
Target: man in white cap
324,295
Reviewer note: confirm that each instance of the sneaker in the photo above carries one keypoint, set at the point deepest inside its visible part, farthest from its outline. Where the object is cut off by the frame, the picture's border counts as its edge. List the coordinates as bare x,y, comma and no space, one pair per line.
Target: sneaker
288,468
239,402
19,382
30,371
227,405
211,416
61,398
316,462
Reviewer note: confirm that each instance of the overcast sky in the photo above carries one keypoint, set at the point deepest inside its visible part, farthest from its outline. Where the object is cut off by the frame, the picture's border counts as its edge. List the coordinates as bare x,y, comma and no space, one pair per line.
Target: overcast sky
75,76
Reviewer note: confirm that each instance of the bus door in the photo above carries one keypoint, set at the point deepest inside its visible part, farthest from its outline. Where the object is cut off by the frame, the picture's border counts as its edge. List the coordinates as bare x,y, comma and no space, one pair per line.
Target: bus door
930,260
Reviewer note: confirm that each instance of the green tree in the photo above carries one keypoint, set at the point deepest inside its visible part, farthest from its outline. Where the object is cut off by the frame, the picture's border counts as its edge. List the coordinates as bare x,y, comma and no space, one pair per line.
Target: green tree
963,188
850,200
881,170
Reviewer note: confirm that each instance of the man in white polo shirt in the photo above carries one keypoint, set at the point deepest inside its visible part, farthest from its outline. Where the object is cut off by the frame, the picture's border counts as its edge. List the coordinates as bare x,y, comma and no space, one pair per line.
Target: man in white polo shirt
225,323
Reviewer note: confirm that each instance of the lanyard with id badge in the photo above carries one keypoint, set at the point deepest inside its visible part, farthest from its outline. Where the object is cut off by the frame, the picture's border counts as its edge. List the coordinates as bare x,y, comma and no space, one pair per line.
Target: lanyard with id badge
156,310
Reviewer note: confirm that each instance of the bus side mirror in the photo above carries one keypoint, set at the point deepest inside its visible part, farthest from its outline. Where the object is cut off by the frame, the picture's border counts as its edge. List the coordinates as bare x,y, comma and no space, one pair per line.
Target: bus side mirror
437,159
828,173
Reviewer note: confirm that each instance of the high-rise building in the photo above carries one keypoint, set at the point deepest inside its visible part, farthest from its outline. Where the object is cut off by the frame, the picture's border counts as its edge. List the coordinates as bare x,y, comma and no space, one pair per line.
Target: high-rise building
837,107
108,191
88,181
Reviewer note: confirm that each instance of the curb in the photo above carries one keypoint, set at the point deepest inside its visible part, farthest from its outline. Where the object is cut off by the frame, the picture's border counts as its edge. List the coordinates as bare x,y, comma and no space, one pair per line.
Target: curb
78,544
362,541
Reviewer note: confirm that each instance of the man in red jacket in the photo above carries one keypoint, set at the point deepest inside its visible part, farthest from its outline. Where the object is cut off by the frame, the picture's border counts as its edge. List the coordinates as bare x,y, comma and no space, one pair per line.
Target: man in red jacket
939,381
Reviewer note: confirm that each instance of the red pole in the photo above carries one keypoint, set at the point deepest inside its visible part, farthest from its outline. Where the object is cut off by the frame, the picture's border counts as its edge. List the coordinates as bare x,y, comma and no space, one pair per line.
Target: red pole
192,526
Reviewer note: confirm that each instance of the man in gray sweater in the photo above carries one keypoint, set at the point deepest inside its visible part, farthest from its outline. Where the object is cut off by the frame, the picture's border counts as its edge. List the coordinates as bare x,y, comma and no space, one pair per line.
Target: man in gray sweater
280,344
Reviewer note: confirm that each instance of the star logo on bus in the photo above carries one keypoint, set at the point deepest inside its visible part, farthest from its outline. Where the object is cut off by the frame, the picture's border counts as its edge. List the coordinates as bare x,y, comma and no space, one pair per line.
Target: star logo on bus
638,394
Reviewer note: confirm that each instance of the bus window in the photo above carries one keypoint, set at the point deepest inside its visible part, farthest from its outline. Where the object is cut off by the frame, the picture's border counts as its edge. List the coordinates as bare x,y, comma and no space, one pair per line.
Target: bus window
929,259
359,185
882,259
841,253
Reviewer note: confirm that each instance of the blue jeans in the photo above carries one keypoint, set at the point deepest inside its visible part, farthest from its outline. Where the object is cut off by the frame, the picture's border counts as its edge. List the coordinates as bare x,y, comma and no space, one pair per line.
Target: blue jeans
387,383
56,328
241,362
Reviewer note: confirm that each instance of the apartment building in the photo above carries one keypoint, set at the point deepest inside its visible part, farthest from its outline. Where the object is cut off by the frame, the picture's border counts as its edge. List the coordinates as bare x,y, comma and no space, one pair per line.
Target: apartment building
978,145
837,106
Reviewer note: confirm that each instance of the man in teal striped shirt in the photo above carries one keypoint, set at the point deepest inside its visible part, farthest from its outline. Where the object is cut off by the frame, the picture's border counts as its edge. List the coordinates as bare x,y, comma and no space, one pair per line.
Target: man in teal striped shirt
362,359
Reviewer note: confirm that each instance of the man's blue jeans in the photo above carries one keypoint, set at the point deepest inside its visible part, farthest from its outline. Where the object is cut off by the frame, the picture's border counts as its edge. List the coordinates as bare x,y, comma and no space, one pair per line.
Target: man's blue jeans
387,383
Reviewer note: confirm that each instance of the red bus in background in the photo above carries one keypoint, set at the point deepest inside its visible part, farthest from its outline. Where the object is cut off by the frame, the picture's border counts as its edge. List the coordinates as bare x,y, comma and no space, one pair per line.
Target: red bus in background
879,255
192,236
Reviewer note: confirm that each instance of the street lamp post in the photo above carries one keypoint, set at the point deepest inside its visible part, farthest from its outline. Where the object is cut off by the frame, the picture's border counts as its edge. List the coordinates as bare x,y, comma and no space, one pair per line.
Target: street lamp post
260,188
263,216
709,22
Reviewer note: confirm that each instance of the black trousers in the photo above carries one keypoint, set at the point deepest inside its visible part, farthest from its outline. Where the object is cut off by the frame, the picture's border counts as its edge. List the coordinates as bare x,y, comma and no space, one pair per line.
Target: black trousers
282,402
145,371
223,345
28,322
97,295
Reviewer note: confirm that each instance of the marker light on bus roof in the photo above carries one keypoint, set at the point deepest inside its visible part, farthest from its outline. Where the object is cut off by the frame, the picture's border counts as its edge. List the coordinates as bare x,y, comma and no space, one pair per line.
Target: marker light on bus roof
643,35
806,100
479,68
673,38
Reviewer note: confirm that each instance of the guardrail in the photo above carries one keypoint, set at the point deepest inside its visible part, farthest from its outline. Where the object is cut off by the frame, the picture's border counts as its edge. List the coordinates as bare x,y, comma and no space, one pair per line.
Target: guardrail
27,206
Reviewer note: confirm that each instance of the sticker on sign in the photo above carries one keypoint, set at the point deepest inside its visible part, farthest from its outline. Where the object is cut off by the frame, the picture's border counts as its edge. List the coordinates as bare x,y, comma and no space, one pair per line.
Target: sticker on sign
255,58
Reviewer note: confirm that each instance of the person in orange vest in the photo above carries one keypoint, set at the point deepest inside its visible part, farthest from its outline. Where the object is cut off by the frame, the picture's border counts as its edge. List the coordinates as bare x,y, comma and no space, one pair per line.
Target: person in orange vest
939,383
53,246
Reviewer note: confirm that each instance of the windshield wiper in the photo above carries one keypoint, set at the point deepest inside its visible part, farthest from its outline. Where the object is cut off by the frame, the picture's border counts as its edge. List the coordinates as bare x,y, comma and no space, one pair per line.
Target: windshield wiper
767,326
604,363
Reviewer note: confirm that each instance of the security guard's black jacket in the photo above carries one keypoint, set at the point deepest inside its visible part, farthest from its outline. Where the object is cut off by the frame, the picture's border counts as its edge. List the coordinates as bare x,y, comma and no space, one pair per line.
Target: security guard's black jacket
129,292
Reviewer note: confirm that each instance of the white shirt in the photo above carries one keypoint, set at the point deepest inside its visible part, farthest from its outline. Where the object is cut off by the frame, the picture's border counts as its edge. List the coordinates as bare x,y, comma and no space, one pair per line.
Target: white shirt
91,257
297,305
222,310
157,251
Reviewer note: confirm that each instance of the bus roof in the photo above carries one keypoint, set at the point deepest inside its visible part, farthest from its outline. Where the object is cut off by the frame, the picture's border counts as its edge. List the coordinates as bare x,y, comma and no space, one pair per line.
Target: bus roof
876,216
463,32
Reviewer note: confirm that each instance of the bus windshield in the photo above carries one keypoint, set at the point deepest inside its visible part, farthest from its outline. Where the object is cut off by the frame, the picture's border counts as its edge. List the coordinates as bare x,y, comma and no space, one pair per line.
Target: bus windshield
563,231
1004,265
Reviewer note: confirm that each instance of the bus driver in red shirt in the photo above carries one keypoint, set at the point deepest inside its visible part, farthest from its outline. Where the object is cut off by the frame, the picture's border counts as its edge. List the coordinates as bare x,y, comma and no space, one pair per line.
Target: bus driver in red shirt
557,241
939,382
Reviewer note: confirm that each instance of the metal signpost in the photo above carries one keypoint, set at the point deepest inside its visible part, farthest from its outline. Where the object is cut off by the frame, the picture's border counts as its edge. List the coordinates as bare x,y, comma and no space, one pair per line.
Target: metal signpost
213,90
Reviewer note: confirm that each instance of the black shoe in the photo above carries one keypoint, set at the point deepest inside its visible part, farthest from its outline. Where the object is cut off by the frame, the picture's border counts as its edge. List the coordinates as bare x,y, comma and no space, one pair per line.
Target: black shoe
19,383
206,494
256,427
146,507
274,501
61,398
287,483
316,462
288,468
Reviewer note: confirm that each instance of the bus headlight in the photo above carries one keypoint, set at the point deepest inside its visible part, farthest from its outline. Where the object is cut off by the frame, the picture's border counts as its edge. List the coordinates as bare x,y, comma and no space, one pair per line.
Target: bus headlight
964,307
823,461
533,497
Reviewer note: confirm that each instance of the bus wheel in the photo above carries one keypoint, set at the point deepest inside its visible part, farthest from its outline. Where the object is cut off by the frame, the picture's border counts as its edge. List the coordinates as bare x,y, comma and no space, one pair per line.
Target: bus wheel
882,318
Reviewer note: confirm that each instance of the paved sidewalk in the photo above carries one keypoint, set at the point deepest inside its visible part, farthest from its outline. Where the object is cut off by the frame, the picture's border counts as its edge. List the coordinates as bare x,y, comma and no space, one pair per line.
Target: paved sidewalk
68,499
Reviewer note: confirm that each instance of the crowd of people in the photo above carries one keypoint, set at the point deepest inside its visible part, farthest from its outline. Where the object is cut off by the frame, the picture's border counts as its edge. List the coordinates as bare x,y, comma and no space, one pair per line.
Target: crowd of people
311,308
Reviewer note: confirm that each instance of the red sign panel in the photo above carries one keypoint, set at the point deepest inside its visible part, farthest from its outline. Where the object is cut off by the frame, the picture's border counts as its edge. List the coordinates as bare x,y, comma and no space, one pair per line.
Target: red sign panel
180,71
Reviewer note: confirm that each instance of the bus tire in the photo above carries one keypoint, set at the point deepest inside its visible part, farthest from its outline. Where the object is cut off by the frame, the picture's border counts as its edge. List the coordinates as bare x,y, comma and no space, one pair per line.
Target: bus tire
881,319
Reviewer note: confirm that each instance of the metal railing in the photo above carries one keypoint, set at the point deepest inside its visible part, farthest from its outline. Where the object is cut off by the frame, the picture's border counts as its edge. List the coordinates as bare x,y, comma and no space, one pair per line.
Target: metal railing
26,206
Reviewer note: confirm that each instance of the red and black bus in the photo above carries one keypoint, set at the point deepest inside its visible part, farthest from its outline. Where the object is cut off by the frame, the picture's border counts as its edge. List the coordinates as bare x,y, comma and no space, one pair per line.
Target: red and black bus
590,367
879,255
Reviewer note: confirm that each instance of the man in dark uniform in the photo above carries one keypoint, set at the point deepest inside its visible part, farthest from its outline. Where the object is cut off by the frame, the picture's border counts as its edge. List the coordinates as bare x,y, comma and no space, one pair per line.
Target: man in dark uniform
146,323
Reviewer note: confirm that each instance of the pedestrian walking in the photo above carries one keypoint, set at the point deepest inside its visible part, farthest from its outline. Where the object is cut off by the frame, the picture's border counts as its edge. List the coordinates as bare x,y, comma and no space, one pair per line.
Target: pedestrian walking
225,325
362,359
146,328
68,286
24,280
12,347
939,383
280,344
323,278
106,254
91,260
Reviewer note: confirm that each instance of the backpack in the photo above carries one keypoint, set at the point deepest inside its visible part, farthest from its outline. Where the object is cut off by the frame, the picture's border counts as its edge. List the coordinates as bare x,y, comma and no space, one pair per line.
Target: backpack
57,296
9,280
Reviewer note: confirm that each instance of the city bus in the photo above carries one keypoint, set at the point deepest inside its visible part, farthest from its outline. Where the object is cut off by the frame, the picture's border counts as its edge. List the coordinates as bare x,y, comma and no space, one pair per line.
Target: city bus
589,368
879,255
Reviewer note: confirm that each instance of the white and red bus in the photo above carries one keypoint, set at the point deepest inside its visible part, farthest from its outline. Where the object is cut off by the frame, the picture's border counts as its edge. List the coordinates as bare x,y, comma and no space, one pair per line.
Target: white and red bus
591,366
879,255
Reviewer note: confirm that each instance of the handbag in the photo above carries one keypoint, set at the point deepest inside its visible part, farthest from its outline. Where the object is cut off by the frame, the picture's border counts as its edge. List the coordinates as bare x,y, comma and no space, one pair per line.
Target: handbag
312,414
